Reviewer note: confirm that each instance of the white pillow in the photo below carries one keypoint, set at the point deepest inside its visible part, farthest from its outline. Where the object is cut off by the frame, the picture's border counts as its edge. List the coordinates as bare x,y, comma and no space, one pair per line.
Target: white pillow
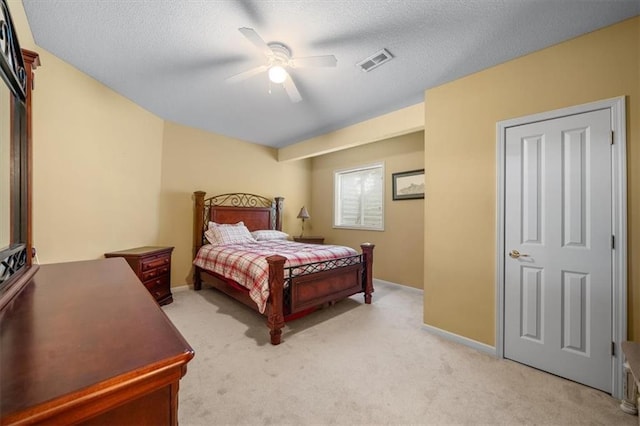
213,224
221,234
269,234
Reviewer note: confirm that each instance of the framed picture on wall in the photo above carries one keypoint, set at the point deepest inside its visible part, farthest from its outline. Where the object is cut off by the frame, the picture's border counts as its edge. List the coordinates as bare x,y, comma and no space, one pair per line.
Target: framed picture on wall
408,185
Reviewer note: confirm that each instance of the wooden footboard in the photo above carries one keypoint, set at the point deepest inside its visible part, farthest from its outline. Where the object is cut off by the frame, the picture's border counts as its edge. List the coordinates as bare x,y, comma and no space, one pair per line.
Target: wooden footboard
309,288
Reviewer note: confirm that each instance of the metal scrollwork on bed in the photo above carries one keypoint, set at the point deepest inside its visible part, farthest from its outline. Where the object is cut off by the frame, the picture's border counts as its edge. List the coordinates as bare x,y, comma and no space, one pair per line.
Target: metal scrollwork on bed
295,290
241,200
311,268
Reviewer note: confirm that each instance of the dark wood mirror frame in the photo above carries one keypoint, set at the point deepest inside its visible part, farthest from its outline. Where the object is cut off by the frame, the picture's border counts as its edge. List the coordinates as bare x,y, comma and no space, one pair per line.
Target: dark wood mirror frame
16,69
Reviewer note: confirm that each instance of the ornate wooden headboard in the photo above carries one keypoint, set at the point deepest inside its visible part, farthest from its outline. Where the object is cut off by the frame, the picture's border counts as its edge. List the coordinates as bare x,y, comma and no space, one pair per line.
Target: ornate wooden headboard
257,212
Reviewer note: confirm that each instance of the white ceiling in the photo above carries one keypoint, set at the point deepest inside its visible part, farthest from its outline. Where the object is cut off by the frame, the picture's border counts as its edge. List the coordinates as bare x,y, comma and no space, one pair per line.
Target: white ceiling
172,56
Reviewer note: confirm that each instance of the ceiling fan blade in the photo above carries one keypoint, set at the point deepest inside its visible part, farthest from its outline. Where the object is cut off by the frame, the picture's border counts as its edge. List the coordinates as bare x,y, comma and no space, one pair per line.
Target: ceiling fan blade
314,61
246,74
291,89
256,40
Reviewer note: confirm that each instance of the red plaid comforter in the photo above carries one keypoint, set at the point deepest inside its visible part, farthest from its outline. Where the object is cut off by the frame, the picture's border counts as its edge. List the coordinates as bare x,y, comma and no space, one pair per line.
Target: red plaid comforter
246,263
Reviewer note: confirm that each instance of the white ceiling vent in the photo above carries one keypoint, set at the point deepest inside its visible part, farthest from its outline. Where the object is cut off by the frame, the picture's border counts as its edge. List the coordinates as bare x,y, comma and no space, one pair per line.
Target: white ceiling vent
375,60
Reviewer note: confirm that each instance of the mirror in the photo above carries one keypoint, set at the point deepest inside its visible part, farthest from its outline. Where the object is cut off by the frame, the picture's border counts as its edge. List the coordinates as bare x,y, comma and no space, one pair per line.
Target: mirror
5,167
15,160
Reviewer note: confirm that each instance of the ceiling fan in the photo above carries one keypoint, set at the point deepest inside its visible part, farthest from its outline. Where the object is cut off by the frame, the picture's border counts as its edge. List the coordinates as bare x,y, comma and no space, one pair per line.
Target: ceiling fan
278,60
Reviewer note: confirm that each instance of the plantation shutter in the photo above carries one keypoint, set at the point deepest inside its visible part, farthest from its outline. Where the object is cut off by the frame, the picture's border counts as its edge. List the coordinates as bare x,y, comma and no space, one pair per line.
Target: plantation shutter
359,198
372,198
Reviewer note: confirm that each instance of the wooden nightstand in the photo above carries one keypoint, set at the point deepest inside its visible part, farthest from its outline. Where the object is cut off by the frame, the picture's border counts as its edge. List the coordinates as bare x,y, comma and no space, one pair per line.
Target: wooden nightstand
309,239
152,265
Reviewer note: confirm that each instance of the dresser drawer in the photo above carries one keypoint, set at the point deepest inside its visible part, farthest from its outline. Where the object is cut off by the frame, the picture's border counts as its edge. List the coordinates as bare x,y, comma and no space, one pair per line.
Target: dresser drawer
154,262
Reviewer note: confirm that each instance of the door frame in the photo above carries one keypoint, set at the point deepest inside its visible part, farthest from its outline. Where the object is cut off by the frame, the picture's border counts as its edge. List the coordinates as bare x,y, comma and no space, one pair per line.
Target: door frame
617,108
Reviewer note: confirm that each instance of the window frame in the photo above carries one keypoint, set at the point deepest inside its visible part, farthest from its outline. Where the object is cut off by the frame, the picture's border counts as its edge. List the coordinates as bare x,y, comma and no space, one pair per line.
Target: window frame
337,200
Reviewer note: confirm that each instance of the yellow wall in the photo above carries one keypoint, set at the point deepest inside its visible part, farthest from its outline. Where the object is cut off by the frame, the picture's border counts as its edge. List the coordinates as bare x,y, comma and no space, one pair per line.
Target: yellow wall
460,159
195,160
399,248
401,122
96,157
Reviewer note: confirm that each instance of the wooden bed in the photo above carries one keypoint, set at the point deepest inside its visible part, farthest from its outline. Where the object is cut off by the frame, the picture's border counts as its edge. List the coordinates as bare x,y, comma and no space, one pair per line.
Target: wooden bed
293,292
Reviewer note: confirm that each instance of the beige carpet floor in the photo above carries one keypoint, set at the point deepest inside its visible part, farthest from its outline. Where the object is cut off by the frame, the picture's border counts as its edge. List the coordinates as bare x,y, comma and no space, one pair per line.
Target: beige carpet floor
361,364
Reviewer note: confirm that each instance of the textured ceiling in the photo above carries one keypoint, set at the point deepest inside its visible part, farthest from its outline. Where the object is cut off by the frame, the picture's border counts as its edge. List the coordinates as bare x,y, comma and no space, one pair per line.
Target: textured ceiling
172,57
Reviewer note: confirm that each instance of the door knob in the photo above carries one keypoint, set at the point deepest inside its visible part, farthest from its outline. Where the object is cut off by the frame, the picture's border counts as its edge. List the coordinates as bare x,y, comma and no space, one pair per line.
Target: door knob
516,254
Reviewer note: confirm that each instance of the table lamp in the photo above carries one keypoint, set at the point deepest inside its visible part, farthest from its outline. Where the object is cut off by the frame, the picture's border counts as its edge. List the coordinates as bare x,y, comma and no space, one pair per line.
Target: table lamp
304,214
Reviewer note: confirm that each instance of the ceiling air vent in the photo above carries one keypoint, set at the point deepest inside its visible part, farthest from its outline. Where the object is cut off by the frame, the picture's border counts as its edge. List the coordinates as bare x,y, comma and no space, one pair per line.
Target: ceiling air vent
375,60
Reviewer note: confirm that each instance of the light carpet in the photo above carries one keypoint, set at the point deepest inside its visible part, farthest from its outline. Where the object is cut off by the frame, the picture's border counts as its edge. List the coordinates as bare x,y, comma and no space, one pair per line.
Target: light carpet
361,364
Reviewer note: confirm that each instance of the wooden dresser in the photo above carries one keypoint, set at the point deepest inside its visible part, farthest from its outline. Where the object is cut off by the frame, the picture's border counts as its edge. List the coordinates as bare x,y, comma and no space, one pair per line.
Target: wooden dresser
84,343
153,266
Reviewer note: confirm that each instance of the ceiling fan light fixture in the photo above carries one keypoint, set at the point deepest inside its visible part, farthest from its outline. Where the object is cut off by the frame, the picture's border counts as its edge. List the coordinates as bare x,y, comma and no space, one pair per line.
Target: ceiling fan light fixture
279,59
277,74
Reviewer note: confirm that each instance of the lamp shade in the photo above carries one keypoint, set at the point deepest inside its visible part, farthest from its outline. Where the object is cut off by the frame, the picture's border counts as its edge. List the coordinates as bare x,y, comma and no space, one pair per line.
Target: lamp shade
304,214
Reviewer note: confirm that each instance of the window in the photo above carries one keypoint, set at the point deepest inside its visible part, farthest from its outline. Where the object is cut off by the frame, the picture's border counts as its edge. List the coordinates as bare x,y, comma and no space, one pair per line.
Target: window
359,198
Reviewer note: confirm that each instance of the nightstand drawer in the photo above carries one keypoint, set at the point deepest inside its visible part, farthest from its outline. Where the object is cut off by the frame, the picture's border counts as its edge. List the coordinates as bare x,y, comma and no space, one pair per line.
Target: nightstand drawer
309,240
152,265
154,262
153,273
158,287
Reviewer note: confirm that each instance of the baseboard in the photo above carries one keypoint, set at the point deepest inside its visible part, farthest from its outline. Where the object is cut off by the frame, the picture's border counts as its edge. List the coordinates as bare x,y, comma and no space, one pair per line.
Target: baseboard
481,347
180,288
375,280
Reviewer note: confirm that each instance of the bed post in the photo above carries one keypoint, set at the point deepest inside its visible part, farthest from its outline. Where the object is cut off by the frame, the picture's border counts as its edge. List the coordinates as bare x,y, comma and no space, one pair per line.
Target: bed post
198,221
279,212
367,251
198,226
275,316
